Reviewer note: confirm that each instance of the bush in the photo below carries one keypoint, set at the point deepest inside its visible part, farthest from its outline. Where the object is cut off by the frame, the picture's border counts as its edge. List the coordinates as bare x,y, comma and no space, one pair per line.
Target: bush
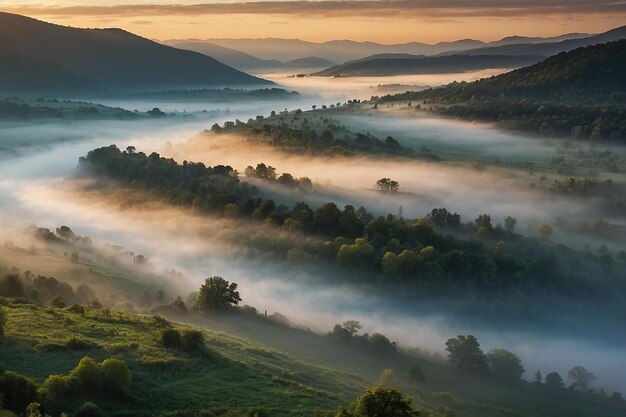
192,340
171,339
117,379
17,391
88,410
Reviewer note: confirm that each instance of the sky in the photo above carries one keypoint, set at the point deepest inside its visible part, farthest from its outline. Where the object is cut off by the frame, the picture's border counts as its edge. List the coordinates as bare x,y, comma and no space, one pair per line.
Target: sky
388,21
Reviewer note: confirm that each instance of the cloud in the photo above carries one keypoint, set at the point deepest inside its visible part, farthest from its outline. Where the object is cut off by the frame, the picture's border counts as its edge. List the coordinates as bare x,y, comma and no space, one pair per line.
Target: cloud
345,8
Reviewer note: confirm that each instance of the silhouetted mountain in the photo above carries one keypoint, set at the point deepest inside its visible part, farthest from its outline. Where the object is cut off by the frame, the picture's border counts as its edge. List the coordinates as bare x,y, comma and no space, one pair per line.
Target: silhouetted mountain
309,62
115,57
548,48
248,62
347,50
400,64
228,56
20,73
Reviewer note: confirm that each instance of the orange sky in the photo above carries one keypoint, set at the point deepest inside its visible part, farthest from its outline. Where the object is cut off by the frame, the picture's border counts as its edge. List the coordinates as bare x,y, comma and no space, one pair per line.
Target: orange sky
391,21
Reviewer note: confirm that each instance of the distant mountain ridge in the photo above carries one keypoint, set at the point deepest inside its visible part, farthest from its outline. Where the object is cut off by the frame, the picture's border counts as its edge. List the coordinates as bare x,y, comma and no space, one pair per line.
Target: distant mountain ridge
548,48
114,57
247,62
341,51
403,64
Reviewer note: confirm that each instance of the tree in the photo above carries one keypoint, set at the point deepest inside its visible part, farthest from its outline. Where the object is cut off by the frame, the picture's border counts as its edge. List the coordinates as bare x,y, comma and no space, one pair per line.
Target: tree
415,373
510,223
538,378
381,402
466,355
545,230
484,221
554,380
617,396
581,378
217,294
505,365
387,185
3,321
352,326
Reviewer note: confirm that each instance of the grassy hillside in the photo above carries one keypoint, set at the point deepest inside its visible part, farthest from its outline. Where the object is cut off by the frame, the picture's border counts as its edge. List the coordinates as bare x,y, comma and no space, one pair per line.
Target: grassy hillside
115,57
288,373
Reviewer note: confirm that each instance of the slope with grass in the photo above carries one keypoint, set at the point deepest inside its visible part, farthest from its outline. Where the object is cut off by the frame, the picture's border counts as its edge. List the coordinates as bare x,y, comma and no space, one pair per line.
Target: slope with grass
289,372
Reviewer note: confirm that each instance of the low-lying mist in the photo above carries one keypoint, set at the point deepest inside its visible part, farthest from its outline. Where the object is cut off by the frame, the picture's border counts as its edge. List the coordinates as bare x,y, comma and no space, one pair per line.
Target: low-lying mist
37,187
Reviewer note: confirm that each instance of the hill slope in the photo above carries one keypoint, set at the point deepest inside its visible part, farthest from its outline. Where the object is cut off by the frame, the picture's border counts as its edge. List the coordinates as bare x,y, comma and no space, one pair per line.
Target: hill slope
20,73
586,74
394,64
115,57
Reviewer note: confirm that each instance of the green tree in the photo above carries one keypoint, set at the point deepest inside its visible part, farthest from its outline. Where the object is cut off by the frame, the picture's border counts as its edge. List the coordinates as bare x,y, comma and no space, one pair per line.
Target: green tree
465,354
554,380
381,402
504,364
415,373
538,378
217,294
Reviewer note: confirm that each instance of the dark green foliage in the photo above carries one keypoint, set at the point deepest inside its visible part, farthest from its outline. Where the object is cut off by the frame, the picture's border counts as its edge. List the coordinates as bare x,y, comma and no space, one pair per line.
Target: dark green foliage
579,94
170,338
3,322
187,340
465,354
380,402
217,294
407,252
505,365
554,380
88,409
17,391
110,379
347,333
415,373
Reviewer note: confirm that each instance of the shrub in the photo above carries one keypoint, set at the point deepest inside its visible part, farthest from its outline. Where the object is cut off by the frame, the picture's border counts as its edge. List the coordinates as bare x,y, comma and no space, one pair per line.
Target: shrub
117,379
17,391
88,410
171,339
192,340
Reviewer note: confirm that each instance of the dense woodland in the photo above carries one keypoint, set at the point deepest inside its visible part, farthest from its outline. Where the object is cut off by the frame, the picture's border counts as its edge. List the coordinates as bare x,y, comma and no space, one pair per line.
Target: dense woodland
295,133
437,252
579,94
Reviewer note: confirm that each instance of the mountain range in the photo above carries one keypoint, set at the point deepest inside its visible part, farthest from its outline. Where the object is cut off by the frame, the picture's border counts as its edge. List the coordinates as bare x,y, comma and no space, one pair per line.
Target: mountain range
341,51
248,62
401,64
102,58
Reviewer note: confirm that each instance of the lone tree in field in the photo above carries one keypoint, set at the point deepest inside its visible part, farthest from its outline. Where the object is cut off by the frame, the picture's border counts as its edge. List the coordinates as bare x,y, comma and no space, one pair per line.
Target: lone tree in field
387,185
217,294
466,355
380,402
